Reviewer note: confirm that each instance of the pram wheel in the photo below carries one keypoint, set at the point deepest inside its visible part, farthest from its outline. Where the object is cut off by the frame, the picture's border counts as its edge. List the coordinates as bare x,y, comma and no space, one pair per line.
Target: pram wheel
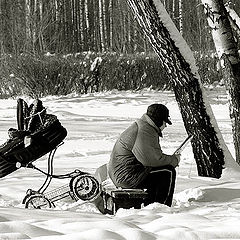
85,187
38,201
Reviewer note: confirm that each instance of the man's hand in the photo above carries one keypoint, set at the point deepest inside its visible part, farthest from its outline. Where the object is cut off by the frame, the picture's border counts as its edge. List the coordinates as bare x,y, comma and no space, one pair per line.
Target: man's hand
177,157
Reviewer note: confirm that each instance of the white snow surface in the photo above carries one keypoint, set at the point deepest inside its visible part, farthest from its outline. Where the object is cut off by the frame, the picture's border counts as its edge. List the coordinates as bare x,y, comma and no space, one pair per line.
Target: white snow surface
203,208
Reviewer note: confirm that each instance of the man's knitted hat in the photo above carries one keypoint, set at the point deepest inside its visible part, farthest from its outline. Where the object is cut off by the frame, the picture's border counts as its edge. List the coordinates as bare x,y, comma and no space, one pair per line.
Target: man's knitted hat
159,113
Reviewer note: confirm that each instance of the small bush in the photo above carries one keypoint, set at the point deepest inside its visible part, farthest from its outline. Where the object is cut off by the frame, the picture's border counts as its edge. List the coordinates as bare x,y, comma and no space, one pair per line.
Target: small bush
208,65
125,72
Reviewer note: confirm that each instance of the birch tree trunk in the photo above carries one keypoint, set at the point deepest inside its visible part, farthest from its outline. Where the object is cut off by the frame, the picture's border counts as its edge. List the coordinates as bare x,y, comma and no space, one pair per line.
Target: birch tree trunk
91,19
80,24
96,37
87,23
104,24
234,20
57,13
226,48
180,16
34,25
173,9
129,33
209,149
135,38
77,27
41,27
101,25
28,24
110,25
86,14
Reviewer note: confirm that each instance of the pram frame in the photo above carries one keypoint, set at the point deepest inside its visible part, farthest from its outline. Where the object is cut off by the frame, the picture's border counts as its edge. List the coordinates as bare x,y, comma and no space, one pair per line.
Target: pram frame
88,190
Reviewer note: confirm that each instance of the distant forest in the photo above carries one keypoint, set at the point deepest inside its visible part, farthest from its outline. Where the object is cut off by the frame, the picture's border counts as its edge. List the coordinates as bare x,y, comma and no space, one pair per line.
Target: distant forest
70,26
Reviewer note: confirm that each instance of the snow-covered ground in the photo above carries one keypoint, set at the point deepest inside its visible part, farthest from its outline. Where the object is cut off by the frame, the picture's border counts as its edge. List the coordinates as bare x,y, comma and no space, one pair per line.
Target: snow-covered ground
203,208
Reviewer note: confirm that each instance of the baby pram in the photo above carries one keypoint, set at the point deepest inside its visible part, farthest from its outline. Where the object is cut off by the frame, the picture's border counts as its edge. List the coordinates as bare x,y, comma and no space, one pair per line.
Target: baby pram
40,133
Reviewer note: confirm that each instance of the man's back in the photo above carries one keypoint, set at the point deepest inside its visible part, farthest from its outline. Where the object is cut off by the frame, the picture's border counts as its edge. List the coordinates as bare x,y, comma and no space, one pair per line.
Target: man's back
124,169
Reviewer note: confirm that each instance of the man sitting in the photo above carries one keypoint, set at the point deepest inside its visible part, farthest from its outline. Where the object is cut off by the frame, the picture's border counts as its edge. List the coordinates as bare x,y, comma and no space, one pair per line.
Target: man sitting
137,160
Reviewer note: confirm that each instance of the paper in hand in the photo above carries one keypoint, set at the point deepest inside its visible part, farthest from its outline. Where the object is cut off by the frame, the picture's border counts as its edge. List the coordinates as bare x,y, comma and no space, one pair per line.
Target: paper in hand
183,145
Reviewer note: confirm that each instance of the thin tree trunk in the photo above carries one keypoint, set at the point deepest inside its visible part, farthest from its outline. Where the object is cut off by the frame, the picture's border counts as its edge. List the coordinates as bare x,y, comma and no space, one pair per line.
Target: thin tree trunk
41,27
180,17
129,32
28,24
84,28
208,146
110,6
87,23
74,26
173,9
104,24
136,40
91,18
57,13
101,25
96,37
123,28
96,30
86,14
78,30
34,24
81,19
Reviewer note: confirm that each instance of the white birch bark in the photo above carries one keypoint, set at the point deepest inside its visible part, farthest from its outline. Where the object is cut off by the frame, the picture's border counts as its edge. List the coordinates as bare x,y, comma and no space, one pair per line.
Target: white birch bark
227,51
180,17
34,24
222,35
28,23
110,9
104,24
87,15
57,11
81,20
129,27
101,25
135,39
41,27
234,19
173,8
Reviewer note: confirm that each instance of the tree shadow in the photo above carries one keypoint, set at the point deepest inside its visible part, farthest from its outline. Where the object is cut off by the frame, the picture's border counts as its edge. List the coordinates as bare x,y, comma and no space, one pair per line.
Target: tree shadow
219,194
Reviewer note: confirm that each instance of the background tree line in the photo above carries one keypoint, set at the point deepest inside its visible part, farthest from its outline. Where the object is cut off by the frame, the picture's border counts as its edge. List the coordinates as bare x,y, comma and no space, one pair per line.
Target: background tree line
69,26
